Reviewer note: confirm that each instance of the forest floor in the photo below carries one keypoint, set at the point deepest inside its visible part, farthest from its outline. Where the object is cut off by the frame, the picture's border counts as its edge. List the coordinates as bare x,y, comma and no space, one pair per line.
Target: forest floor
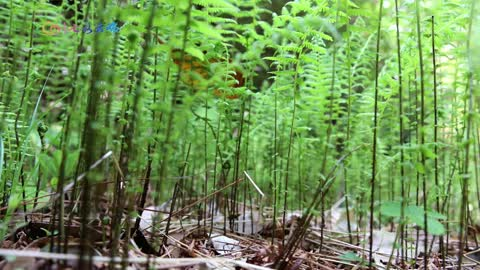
192,243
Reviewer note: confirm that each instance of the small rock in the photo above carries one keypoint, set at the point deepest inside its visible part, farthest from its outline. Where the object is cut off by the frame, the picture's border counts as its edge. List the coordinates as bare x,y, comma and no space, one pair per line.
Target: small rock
224,245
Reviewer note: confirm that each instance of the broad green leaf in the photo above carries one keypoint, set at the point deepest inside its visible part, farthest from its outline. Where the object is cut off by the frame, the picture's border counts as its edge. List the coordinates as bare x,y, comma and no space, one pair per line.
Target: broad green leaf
435,227
415,214
391,209
435,215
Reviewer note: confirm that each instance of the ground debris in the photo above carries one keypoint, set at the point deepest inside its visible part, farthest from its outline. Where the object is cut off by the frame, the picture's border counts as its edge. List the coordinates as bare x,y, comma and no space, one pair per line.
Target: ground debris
193,243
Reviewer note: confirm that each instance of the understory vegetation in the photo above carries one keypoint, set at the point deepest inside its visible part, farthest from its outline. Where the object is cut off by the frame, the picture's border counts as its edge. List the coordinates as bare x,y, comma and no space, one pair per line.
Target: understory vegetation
306,134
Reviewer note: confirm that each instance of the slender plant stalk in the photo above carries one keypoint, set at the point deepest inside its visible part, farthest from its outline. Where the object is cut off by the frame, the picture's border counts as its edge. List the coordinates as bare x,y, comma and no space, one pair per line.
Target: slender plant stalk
374,147
42,129
205,162
7,95
150,149
130,133
290,143
275,155
119,187
91,135
173,102
468,124
299,232
216,199
245,162
422,132
435,135
330,125
236,167
476,151
175,93
418,159
19,111
401,136
349,112
59,206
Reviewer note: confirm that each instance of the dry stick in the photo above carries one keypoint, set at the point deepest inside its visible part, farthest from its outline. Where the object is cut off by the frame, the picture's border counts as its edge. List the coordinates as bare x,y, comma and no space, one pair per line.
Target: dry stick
374,148
253,184
218,262
465,173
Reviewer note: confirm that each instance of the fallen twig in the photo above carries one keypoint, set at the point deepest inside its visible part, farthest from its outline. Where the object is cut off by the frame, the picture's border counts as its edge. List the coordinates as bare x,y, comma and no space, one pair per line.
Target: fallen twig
105,259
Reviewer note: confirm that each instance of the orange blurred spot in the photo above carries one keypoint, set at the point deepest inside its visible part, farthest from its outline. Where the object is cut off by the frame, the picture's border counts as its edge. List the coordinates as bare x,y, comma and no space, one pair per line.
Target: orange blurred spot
220,93
195,67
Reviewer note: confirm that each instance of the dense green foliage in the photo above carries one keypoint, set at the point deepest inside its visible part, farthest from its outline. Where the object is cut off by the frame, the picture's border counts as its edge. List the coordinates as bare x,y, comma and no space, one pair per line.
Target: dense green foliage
158,92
